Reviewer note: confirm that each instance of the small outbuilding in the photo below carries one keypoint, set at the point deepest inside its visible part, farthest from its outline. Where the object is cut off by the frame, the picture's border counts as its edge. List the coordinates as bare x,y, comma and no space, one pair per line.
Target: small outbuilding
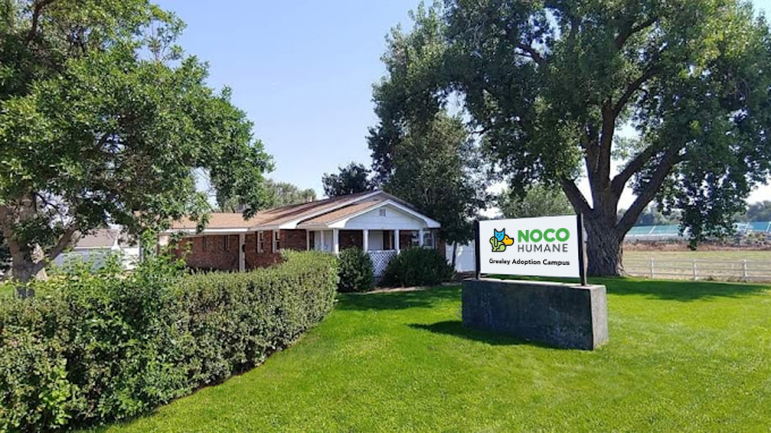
374,221
96,246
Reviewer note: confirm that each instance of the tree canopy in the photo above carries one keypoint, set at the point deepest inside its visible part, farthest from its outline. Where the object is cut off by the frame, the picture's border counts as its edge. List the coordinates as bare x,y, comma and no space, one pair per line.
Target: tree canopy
351,179
547,85
103,119
759,211
538,201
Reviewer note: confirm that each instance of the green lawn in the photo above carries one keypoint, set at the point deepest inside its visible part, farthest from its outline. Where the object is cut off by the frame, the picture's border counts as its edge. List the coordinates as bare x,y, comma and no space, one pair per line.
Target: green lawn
682,357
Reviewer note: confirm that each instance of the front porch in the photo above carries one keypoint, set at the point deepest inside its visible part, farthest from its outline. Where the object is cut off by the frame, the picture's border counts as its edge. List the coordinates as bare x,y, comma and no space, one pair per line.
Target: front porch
382,245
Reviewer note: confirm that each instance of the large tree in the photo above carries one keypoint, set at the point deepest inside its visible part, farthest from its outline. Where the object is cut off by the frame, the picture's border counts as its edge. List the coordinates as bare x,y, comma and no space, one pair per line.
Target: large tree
104,120
548,84
351,179
277,194
420,152
538,200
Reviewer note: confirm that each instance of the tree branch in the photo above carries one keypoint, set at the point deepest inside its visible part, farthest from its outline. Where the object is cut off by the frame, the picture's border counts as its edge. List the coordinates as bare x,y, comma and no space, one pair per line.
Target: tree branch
630,29
575,197
631,88
37,9
651,188
64,241
631,168
533,54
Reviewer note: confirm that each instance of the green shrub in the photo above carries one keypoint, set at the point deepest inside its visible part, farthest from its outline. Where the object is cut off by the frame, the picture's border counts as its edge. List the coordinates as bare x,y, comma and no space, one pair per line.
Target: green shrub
417,266
355,271
93,346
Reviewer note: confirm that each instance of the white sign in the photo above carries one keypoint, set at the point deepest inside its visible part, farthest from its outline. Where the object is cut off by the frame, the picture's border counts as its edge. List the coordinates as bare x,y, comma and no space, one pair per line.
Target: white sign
545,246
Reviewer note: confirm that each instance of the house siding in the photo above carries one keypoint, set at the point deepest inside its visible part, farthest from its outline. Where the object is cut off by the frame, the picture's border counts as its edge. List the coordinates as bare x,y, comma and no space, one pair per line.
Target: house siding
214,256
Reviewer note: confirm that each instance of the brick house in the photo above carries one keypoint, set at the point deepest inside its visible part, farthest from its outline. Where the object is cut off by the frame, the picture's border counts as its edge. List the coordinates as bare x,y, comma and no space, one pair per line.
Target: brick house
374,221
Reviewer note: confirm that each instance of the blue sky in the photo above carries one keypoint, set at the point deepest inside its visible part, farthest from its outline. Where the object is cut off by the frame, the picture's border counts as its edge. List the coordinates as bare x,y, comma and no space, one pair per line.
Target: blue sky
303,71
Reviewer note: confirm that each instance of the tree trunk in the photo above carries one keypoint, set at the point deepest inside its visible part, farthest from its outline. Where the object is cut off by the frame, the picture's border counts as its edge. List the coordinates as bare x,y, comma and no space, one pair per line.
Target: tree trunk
604,248
25,267
454,253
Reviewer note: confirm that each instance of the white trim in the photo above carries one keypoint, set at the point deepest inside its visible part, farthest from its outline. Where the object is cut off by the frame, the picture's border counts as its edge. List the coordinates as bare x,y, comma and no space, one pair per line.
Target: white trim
365,240
340,223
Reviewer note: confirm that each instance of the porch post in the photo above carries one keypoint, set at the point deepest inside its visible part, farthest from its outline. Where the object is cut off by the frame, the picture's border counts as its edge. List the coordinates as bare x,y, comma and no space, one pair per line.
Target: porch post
307,240
365,240
322,239
396,240
336,241
241,252
420,237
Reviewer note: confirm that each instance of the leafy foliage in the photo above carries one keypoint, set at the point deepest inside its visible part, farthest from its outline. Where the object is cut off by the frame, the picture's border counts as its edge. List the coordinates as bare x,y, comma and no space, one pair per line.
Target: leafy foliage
278,194
96,346
760,211
546,85
417,266
355,271
420,152
353,178
538,200
104,121
652,215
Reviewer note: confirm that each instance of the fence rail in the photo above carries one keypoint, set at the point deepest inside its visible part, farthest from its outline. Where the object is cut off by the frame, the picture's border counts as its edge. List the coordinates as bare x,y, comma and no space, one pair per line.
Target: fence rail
741,270
380,260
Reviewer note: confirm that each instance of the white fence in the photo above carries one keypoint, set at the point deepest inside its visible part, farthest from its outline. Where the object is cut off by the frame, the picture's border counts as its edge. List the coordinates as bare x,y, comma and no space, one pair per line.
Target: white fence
380,259
727,270
464,257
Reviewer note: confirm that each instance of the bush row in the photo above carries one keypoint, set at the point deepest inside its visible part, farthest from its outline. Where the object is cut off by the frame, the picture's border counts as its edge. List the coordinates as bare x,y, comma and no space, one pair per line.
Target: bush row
417,266
98,346
414,266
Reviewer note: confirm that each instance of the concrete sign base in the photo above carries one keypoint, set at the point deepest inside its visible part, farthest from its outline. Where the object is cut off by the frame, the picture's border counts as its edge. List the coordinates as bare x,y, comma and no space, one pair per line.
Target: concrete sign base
558,314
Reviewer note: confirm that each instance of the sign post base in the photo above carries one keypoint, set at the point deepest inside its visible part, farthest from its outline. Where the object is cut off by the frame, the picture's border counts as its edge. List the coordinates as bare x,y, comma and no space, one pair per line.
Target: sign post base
563,315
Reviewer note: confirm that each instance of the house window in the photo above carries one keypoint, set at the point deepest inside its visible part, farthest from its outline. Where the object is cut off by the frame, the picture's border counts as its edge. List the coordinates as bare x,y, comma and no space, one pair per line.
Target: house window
429,239
276,243
260,239
227,243
204,242
382,212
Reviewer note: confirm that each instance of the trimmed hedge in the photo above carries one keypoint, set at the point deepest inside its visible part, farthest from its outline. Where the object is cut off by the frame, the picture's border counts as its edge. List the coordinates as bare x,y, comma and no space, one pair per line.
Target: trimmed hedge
355,271
93,347
416,266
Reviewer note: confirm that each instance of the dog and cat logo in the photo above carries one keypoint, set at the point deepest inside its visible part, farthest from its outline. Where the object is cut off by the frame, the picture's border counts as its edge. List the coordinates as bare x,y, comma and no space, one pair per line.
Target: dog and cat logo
500,241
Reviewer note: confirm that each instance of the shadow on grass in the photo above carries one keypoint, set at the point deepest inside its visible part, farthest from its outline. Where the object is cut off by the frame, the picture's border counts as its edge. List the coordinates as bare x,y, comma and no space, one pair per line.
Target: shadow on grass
681,290
399,300
456,329
665,290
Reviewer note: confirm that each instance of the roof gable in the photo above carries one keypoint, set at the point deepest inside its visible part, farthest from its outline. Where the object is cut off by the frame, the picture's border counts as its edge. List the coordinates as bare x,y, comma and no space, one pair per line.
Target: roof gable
321,213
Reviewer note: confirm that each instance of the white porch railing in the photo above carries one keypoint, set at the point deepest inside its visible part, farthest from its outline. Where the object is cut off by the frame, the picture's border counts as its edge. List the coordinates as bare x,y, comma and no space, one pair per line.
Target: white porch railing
380,260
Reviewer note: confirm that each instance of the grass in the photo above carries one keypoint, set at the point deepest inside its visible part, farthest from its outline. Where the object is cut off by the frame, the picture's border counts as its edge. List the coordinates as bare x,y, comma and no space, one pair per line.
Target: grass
683,356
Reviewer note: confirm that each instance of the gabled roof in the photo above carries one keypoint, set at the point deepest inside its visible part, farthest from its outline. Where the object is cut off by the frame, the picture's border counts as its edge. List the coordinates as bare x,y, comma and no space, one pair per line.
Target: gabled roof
289,217
102,238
